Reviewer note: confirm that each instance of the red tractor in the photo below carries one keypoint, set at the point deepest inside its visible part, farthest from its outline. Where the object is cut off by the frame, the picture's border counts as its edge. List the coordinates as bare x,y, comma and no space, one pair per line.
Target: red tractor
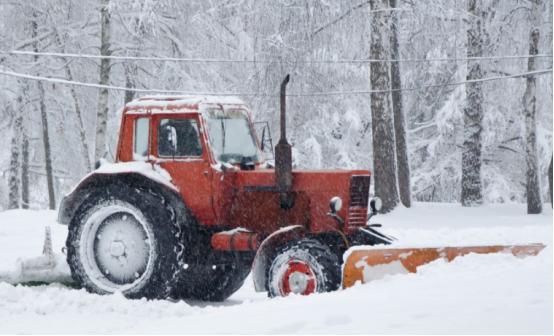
191,207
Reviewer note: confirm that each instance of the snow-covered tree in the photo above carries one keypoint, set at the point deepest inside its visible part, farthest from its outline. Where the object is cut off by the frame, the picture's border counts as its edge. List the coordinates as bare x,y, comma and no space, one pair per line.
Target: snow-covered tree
401,146
384,158
472,190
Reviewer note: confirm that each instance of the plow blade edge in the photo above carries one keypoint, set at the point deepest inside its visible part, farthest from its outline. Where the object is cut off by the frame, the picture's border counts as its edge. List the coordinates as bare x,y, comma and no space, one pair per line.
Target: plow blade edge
371,264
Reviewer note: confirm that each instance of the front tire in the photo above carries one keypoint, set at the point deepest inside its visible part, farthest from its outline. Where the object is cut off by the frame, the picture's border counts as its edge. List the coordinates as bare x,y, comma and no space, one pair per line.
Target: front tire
304,266
127,240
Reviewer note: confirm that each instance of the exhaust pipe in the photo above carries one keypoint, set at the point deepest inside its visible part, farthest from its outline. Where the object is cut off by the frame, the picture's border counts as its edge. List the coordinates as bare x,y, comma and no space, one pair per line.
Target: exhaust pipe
283,156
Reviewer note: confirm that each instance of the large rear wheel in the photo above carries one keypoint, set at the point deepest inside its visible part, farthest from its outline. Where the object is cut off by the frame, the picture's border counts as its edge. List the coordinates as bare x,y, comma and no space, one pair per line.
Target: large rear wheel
126,240
304,266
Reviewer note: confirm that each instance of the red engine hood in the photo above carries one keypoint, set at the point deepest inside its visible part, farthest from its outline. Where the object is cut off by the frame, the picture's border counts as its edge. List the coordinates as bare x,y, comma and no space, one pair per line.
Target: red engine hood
255,201
335,180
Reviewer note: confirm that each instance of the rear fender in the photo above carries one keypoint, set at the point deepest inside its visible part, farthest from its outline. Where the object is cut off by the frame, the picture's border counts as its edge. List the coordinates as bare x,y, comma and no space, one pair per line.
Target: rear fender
262,259
94,181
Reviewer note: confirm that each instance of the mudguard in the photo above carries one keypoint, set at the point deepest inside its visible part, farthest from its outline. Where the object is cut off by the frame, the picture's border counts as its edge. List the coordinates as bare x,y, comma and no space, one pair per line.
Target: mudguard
264,252
129,173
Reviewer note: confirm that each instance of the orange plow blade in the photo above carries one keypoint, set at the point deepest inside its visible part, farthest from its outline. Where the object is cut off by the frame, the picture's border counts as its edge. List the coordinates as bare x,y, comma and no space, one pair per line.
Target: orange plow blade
371,264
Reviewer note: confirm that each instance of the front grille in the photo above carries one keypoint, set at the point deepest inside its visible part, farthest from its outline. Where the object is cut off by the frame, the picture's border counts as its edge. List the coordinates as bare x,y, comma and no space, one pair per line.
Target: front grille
359,196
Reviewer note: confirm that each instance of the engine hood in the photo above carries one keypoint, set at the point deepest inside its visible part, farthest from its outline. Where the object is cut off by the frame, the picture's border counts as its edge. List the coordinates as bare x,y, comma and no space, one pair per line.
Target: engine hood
303,180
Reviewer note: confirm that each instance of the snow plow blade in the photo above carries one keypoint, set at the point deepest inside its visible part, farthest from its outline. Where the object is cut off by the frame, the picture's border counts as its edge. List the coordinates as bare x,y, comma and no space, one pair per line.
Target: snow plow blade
44,269
372,264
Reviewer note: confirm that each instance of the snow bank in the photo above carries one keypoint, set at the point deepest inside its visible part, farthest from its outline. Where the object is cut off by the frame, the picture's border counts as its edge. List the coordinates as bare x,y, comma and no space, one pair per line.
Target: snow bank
495,293
21,242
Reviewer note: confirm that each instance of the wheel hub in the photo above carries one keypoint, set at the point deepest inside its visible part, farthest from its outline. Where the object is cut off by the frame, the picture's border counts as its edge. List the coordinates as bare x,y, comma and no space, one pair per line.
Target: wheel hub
117,248
298,282
298,278
121,249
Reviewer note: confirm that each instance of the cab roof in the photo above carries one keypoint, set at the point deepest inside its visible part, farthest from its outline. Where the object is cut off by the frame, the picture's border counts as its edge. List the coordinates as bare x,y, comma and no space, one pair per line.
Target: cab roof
180,104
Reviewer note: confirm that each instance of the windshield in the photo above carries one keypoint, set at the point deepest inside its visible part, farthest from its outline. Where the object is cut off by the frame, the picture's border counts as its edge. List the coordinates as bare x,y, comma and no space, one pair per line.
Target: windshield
231,138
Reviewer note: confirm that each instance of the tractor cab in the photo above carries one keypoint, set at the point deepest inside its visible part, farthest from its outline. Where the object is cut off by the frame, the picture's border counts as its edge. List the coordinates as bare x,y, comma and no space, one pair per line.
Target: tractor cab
201,142
160,127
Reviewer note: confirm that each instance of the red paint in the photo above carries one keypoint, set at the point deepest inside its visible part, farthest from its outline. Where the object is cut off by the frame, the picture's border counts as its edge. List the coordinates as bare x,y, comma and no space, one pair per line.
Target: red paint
237,241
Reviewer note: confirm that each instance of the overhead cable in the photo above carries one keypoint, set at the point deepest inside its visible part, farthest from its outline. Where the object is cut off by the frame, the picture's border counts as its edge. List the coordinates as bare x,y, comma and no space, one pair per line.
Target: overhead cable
268,61
261,94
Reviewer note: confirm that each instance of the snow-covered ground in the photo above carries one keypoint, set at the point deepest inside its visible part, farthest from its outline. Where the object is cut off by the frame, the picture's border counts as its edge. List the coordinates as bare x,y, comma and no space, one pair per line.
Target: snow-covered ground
474,294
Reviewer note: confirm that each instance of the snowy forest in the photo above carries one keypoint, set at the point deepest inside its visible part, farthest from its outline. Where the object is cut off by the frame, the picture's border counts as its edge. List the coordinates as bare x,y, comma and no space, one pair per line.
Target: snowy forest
446,101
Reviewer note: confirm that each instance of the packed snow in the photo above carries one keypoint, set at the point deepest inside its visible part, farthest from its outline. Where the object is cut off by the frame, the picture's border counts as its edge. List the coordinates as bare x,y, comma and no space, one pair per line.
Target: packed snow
495,293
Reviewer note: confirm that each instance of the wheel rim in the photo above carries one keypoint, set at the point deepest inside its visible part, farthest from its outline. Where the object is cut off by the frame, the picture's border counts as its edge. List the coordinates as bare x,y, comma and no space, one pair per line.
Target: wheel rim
298,278
116,248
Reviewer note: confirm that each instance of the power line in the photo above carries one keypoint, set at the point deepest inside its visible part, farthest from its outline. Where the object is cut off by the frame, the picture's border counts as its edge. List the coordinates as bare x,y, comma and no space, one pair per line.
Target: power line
430,86
121,88
259,94
224,60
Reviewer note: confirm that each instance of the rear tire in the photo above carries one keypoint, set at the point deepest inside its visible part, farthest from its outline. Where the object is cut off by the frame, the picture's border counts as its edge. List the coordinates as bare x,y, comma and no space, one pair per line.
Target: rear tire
125,239
304,266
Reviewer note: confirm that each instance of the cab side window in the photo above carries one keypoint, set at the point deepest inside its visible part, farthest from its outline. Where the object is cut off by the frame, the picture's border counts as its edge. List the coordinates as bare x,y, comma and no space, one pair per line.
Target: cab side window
178,138
140,143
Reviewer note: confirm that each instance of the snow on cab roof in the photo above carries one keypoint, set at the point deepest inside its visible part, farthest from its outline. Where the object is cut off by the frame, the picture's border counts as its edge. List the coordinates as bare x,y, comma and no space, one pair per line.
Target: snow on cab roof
184,103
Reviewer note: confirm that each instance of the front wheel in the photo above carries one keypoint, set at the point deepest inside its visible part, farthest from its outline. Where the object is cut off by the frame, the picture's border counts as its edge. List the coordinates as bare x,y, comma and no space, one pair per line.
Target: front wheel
304,266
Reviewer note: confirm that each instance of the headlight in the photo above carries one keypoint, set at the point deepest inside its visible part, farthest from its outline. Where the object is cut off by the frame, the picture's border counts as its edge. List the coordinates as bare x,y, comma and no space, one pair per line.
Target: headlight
375,204
335,204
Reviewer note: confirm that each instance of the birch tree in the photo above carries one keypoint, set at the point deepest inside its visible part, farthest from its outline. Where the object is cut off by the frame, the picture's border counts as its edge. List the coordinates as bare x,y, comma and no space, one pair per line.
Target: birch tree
14,168
384,163
472,193
550,180
402,161
76,105
24,162
532,186
103,94
44,125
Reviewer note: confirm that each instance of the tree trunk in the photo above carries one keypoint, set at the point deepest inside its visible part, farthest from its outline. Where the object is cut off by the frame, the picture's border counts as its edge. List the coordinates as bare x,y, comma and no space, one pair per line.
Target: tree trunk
47,149
550,181
78,114
384,164
82,134
472,193
24,167
24,148
402,161
130,75
45,136
534,202
13,172
102,112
